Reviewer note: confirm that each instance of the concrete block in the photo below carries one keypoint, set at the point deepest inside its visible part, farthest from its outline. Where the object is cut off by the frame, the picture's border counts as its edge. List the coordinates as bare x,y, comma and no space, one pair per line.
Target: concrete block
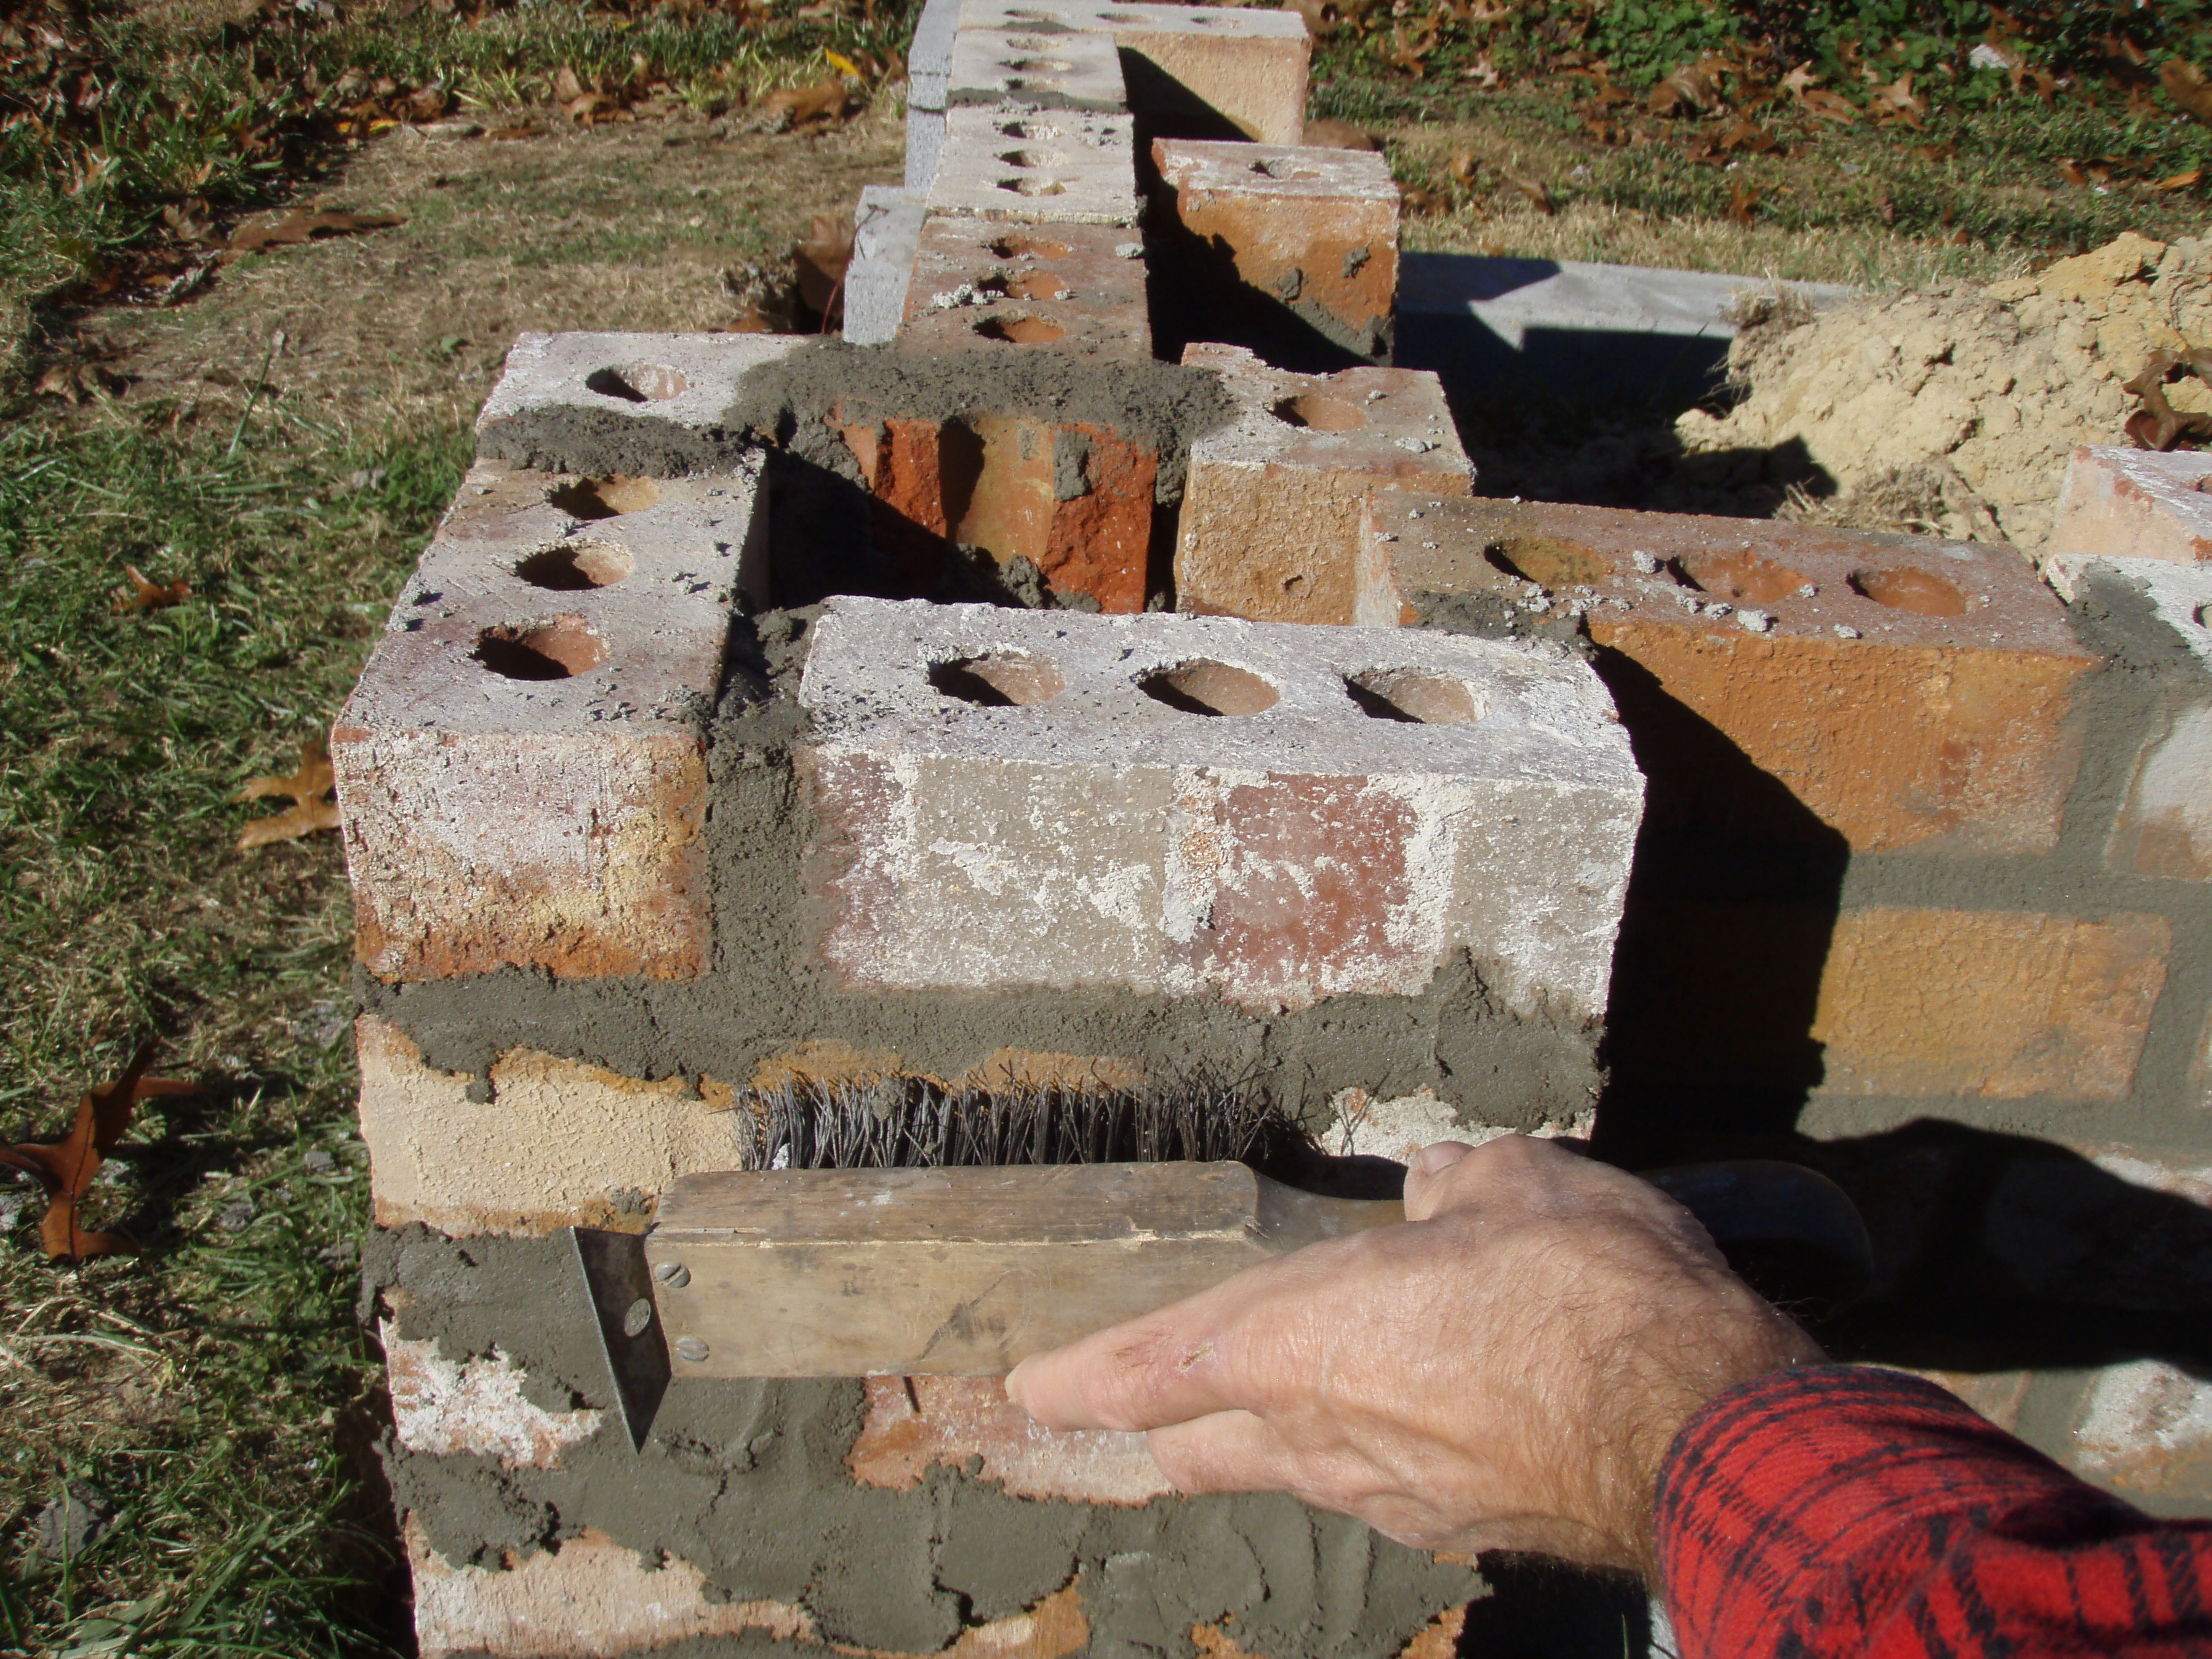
1496,329
1060,165
1313,233
924,144
1908,1003
1192,71
1189,806
1010,71
1903,692
521,770
650,403
2134,504
2164,826
886,226
1270,527
1069,287
551,1143
929,55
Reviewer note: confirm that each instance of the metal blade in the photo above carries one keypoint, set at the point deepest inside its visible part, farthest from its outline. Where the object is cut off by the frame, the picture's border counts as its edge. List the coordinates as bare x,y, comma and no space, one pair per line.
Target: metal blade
620,1288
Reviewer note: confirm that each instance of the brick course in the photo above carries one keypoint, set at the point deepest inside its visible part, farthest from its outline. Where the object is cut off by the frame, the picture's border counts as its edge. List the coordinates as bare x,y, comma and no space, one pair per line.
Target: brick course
1068,288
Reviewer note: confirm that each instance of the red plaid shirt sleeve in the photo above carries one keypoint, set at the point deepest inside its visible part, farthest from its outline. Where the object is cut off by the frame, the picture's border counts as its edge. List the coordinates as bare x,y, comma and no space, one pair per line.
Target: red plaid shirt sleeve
1834,1512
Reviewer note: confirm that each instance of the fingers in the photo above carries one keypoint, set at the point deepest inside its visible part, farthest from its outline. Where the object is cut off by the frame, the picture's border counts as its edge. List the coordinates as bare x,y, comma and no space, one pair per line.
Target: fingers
1423,1185
1165,1367
1225,1451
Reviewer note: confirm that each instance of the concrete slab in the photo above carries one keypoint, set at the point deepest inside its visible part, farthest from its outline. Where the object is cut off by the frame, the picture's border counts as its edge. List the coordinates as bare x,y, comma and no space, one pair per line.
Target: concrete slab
1597,333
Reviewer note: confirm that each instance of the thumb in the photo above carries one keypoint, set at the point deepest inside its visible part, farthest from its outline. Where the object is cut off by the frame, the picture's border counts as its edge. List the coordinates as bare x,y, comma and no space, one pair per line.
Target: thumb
1427,1187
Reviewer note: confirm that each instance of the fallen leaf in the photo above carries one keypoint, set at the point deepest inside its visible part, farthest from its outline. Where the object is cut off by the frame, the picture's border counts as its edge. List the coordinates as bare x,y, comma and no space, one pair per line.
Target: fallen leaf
1326,134
2072,174
1421,203
527,130
1829,106
306,788
1321,16
1935,152
142,593
1900,96
566,88
1748,136
1464,168
64,1168
1539,197
2188,181
1799,80
2158,425
302,226
1743,202
798,106
819,261
843,64
2185,84
1689,86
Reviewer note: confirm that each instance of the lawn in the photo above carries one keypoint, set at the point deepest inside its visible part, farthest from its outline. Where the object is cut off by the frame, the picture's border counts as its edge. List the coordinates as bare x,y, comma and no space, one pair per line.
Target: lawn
186,1447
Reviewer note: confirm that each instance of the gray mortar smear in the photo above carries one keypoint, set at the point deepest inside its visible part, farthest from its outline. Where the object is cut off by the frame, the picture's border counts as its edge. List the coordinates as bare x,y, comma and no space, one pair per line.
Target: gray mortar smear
768,991
747,1482
1161,407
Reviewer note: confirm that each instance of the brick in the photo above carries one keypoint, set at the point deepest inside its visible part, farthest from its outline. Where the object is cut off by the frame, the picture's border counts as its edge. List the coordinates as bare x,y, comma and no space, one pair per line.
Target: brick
1200,807
558,1143
1067,288
1040,166
1271,513
916,1424
649,402
1915,1004
521,770
1313,231
2134,504
475,1406
1919,696
1074,499
1066,71
2145,1428
1192,71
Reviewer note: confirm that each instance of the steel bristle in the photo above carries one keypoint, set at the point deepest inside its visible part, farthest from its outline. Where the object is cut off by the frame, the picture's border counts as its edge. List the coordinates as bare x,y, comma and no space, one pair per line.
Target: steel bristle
904,1122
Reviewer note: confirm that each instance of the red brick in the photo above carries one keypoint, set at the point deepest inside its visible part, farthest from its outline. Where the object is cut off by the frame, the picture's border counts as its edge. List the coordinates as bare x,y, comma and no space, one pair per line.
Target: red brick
915,1424
1014,288
1919,696
2135,504
1314,229
1271,512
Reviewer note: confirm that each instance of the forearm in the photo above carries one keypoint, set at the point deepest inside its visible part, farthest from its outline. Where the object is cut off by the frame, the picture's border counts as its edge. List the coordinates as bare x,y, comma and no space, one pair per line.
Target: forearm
1833,1512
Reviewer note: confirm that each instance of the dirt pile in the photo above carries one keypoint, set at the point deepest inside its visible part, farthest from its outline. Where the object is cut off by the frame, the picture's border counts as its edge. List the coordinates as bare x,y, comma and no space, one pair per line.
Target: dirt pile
1952,410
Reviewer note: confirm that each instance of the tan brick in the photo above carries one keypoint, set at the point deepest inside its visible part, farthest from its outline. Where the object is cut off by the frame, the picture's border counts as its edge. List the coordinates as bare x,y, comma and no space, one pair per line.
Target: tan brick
560,1144
918,1422
1313,230
1902,691
1062,288
1271,512
2134,504
1913,1003
521,768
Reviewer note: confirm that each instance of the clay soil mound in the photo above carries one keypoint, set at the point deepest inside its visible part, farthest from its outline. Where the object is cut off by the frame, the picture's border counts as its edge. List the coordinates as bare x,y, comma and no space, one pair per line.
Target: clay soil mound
1953,411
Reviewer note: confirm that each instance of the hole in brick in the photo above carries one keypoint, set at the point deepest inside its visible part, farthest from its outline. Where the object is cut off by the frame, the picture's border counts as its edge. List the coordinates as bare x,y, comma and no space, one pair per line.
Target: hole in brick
1414,695
1204,687
638,383
1907,589
603,498
1034,131
1549,564
1033,83
1034,285
1743,576
544,651
1001,679
1034,186
1028,247
574,566
1034,158
1321,412
2203,616
1038,66
1279,168
1028,42
1020,330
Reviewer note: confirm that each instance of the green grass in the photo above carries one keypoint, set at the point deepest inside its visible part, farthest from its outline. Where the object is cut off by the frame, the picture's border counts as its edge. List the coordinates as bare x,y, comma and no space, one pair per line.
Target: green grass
207,1386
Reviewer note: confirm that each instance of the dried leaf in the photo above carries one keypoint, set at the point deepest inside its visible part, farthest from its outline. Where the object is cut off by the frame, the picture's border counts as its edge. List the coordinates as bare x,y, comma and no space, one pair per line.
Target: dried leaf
64,1168
2188,181
798,106
1829,106
2072,174
307,788
1743,202
1539,197
819,261
566,88
1464,168
2185,84
2158,425
1900,96
142,593
1799,81
1689,87
301,225
1744,135
1321,16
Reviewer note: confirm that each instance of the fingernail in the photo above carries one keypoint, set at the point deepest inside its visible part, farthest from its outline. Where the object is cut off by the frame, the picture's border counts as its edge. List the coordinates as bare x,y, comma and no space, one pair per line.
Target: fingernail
1440,1156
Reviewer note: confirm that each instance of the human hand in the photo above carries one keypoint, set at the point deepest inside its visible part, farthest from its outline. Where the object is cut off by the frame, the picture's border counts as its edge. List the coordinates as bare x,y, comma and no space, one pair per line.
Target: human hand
1504,1371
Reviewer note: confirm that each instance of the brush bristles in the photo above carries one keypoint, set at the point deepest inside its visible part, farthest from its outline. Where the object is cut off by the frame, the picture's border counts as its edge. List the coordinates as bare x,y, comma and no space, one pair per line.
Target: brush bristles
892,1123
